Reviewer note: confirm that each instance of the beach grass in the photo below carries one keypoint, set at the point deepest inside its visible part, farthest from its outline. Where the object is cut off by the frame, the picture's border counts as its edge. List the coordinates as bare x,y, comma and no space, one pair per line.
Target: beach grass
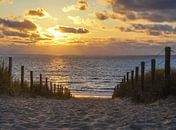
151,92
12,87
60,93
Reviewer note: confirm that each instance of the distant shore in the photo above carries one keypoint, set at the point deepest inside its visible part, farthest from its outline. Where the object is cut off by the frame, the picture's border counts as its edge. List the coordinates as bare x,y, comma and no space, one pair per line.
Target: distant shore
85,113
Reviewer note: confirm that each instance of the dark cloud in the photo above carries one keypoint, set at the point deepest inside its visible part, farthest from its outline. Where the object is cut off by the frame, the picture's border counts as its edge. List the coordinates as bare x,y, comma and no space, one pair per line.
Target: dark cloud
152,29
152,10
145,4
19,25
40,12
15,33
157,15
71,30
102,15
20,31
155,33
156,27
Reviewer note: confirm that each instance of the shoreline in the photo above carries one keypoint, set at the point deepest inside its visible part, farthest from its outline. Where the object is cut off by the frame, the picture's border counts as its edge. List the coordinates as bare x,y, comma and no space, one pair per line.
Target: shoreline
93,97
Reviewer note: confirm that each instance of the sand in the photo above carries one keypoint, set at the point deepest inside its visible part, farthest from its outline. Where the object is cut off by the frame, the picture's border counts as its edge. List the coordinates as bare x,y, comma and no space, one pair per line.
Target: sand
85,114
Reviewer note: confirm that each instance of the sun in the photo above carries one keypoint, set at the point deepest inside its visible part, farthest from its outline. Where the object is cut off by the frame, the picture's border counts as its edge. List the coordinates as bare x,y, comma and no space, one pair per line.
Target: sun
53,32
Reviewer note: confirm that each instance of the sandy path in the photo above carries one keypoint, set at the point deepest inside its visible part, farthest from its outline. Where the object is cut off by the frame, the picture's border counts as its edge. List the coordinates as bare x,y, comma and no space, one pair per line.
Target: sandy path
86,114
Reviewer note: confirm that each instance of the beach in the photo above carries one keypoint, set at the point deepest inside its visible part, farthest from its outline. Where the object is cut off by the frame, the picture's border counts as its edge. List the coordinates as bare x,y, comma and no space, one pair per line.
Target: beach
85,114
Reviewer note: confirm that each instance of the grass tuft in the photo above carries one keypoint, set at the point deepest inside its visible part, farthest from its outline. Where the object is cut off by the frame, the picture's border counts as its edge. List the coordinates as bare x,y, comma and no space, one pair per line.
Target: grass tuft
152,91
11,87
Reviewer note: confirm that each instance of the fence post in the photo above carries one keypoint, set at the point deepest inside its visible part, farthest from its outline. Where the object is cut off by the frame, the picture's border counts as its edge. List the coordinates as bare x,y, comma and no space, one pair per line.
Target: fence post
127,76
51,86
41,82
31,81
124,78
132,77
46,84
122,81
22,76
136,75
142,75
153,70
167,69
10,65
54,88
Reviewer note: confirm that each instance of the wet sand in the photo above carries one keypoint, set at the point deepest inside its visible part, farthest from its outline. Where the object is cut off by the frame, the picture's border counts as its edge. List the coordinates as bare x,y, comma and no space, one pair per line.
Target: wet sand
85,114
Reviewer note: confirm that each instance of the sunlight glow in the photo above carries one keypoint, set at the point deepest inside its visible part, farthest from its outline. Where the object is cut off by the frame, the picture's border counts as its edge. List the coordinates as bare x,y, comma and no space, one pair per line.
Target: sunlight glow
57,35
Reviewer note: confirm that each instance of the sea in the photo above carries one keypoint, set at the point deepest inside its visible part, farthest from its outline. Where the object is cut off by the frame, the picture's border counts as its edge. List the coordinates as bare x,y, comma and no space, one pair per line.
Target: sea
85,76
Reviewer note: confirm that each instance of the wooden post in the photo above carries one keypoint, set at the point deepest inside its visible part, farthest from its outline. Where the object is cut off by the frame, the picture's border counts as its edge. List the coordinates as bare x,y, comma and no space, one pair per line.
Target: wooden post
62,90
41,82
167,69
31,81
51,86
22,76
142,75
10,65
124,78
46,84
54,88
127,76
153,70
58,90
122,81
136,75
132,77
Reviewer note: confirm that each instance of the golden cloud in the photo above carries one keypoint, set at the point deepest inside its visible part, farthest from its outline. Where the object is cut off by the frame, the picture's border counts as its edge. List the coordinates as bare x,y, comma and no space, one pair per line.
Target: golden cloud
40,13
80,5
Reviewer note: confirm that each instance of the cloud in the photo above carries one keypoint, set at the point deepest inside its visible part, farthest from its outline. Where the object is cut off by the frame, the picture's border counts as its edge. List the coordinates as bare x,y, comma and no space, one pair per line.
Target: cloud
80,5
156,27
152,10
102,15
155,33
15,33
19,25
91,23
40,13
6,1
151,29
136,5
65,29
20,31
89,46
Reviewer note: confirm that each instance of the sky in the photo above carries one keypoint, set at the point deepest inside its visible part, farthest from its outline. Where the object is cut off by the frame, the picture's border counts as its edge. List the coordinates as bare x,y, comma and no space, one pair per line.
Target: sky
87,27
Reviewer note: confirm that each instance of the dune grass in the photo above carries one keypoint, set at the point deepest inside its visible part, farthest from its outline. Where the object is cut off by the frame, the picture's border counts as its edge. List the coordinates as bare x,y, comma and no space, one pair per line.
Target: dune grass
61,92
151,92
11,87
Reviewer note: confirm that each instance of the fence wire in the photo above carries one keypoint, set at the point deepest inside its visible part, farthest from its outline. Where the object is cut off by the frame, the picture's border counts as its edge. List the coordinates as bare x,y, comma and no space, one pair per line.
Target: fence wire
148,62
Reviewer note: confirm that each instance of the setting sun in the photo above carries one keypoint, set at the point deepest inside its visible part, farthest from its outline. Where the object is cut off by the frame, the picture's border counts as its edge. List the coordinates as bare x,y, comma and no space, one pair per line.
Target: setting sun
57,35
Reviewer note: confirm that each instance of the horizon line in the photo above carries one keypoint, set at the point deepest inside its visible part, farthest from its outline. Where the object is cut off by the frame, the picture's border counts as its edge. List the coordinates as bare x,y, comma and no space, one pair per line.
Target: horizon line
82,55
